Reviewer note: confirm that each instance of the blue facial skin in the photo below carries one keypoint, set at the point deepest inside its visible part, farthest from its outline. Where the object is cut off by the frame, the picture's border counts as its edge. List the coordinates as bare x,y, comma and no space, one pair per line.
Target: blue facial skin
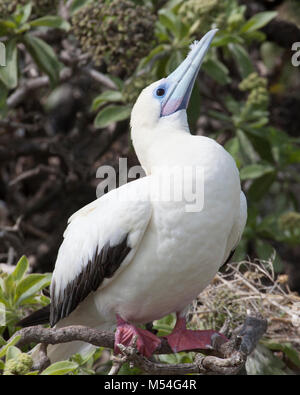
179,84
158,91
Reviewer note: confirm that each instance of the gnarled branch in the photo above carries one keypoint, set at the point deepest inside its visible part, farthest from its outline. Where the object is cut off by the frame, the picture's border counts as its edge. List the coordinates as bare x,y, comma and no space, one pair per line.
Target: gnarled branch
225,358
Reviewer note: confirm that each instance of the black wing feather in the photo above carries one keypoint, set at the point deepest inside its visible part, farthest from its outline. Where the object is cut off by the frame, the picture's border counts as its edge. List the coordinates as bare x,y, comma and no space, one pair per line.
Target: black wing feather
103,265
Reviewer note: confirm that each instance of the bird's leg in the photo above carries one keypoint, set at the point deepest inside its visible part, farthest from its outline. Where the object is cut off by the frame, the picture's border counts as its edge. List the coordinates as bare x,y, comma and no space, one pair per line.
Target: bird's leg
183,339
146,342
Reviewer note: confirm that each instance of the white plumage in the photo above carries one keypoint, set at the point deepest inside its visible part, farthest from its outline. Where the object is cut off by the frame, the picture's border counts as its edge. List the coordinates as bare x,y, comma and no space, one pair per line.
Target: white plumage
174,254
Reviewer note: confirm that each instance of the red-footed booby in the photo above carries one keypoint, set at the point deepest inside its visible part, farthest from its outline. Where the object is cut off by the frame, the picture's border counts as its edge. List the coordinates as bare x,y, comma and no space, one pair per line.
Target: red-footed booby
131,257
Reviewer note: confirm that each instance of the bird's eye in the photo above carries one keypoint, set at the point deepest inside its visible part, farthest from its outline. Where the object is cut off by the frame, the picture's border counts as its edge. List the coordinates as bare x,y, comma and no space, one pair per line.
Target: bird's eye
160,92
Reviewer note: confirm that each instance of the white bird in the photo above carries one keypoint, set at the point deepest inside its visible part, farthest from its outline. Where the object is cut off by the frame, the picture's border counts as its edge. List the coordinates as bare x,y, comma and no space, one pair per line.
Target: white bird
131,257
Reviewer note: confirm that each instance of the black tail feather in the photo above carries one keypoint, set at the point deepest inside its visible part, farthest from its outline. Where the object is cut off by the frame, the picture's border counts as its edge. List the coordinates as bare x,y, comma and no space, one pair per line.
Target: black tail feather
229,258
39,317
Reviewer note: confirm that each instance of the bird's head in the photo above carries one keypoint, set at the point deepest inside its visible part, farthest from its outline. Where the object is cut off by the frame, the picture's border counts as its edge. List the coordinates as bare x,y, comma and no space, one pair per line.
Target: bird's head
164,98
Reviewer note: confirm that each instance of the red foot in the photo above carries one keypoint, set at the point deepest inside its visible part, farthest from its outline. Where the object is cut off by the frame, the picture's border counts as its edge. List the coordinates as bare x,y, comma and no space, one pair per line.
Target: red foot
146,343
182,339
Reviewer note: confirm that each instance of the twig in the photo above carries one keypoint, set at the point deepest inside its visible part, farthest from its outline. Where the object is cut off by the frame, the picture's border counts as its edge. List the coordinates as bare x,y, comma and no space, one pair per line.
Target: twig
117,364
34,231
101,78
34,172
150,367
33,84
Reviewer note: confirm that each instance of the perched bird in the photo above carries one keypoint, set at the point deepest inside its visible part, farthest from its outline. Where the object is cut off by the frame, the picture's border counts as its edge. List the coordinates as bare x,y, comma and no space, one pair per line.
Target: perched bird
133,256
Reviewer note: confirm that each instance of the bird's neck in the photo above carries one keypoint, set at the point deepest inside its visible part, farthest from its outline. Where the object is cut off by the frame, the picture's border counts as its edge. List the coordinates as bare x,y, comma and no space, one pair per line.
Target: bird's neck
161,145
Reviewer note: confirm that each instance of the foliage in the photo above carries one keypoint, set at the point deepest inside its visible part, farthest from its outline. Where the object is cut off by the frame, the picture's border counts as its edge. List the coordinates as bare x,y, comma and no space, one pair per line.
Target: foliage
41,7
254,283
20,293
18,28
116,33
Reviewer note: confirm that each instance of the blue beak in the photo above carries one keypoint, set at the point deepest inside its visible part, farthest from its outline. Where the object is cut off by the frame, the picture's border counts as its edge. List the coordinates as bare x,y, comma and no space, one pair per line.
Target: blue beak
181,81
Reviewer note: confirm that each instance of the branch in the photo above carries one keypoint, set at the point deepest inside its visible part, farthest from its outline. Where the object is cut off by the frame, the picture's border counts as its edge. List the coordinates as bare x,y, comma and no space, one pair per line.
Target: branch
33,84
38,334
228,358
101,78
34,172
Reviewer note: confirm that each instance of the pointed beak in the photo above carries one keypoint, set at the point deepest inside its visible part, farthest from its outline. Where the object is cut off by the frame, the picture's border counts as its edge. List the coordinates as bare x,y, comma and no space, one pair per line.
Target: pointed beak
181,81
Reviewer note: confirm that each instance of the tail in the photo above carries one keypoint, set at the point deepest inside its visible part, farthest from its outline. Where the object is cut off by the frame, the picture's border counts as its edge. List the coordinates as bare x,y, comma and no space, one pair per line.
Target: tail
39,317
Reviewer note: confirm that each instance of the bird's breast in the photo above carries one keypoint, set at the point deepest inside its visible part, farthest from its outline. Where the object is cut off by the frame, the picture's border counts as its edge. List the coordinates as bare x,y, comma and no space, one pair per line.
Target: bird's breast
182,248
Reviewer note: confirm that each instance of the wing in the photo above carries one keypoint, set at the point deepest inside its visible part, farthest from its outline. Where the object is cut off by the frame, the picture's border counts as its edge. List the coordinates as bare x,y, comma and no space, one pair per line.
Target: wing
237,229
99,242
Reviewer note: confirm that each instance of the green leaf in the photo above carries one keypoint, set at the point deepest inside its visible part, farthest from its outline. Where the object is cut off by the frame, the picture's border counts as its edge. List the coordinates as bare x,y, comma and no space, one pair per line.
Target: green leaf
221,116
256,170
6,27
22,14
77,4
258,21
107,96
263,362
165,324
4,303
3,98
260,186
233,147
51,21
173,62
287,348
9,287
173,4
30,285
60,368
217,70
20,269
44,56
294,156
12,353
223,39
9,73
118,81
242,59
246,148
168,19
111,113
260,142
193,110
82,360
12,342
